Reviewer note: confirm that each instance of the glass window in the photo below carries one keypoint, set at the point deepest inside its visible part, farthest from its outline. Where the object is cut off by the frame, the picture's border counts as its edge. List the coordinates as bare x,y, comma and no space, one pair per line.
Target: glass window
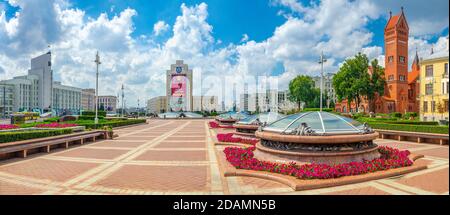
311,119
401,59
433,106
446,69
401,77
391,77
283,123
332,123
429,71
391,59
425,106
428,89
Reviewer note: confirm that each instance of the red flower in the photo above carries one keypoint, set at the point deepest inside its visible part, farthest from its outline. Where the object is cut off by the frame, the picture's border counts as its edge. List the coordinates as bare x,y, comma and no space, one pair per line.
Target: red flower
55,125
242,158
7,127
229,138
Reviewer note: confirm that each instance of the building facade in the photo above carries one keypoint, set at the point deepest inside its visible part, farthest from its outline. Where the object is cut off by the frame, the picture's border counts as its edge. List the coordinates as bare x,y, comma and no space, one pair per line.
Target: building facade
328,88
88,99
66,99
400,91
157,105
271,100
179,87
434,87
107,103
205,103
36,91
6,100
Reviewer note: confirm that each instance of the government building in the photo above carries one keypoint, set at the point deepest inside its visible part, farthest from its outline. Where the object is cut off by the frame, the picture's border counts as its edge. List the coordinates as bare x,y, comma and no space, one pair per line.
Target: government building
38,92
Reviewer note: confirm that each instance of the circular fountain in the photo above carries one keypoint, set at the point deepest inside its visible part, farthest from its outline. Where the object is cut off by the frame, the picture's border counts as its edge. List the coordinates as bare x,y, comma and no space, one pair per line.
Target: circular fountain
316,137
227,119
248,126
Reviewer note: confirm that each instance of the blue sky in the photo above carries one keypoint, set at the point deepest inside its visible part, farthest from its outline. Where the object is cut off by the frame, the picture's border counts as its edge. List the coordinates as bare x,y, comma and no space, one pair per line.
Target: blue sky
140,39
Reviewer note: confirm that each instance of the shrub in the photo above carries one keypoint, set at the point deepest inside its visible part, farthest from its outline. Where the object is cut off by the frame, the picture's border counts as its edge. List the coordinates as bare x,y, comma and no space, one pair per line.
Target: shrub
410,114
411,128
92,113
25,135
17,119
396,114
53,119
67,118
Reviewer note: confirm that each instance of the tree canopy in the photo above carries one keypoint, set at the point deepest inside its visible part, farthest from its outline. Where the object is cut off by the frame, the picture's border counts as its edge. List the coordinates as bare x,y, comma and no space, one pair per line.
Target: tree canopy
353,81
301,89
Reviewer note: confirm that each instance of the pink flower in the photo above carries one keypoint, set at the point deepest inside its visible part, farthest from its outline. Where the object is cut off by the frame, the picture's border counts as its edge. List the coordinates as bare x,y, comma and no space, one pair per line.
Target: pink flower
242,158
55,125
7,127
229,138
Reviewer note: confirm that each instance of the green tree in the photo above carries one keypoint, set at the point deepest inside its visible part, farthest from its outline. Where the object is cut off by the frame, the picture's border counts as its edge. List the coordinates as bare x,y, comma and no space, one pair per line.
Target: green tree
301,89
375,84
350,82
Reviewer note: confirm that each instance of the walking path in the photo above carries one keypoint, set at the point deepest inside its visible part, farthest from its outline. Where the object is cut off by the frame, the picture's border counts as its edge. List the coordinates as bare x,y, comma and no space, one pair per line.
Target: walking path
179,157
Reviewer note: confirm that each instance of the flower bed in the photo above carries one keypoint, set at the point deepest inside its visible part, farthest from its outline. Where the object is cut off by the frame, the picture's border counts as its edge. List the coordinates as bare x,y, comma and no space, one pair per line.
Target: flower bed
243,158
229,138
8,127
213,124
55,125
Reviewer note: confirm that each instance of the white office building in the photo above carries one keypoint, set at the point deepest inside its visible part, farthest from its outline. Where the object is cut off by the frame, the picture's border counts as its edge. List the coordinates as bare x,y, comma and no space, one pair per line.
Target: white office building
327,88
6,100
271,100
38,92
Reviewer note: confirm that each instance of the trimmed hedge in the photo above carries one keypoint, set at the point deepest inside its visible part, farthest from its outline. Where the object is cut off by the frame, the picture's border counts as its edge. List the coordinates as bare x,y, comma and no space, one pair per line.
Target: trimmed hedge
398,122
53,119
6,137
112,123
411,128
89,117
92,113
318,109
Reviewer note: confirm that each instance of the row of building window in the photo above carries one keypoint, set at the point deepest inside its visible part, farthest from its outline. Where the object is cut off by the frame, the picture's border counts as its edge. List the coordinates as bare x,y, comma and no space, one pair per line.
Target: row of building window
401,59
429,70
445,106
400,77
444,89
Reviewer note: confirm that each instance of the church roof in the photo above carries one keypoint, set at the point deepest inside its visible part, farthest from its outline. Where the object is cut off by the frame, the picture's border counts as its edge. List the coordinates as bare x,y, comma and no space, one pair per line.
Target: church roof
413,75
393,21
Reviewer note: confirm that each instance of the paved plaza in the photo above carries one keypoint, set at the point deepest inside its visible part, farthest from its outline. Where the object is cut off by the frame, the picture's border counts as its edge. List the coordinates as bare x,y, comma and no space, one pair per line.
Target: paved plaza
179,157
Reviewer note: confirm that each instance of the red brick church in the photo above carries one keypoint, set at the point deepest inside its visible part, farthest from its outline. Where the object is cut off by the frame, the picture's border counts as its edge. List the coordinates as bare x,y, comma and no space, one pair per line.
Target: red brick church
402,87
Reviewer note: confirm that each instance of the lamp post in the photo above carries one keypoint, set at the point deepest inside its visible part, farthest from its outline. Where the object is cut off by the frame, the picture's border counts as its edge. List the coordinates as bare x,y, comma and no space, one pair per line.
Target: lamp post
138,110
97,61
321,61
123,95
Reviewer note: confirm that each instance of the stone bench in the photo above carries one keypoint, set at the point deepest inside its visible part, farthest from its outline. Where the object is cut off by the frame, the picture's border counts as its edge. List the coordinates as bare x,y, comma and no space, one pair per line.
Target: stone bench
420,137
45,144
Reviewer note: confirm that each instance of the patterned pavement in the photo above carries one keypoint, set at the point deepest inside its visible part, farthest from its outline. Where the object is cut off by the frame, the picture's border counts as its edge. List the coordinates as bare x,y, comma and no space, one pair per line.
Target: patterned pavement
179,157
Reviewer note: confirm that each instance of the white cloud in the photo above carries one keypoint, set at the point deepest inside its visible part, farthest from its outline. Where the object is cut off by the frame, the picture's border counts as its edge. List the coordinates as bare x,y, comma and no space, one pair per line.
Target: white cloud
244,38
160,27
338,27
